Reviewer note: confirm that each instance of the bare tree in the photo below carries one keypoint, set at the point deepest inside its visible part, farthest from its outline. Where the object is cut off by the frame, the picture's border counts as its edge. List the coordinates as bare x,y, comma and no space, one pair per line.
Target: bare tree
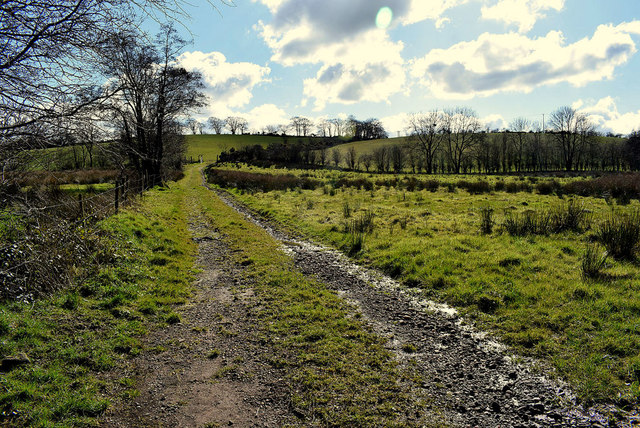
570,131
352,158
461,128
324,128
365,160
381,158
338,126
519,128
236,124
194,126
336,156
216,124
425,130
322,156
50,53
151,93
398,158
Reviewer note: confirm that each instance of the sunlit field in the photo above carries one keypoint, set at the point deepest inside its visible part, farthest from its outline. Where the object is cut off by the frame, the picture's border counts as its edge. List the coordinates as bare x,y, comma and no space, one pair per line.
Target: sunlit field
537,289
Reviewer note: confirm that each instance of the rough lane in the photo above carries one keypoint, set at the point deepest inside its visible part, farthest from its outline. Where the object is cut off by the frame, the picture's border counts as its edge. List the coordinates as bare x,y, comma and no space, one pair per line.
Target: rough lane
474,379
210,369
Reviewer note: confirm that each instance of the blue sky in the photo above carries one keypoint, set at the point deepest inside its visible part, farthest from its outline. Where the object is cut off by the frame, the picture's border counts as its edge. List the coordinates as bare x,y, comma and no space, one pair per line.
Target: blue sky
269,60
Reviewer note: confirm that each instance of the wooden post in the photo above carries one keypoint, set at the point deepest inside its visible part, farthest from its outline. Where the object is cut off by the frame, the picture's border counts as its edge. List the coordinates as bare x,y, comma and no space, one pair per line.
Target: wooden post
81,207
116,195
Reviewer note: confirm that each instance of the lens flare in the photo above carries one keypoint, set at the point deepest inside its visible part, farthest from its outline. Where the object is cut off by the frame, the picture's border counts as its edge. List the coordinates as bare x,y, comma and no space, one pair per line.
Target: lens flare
384,17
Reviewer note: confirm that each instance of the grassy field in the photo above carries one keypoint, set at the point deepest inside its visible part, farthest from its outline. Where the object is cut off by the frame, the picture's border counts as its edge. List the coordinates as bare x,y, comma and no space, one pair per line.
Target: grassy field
76,339
210,146
528,290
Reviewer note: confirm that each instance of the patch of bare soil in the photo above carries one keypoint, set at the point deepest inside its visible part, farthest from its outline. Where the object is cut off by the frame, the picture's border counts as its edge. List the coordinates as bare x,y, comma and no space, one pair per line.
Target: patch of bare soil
211,368
473,379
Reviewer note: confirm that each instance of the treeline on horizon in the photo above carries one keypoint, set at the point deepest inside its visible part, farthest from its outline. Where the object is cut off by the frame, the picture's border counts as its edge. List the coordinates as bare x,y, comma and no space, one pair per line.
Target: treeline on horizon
454,141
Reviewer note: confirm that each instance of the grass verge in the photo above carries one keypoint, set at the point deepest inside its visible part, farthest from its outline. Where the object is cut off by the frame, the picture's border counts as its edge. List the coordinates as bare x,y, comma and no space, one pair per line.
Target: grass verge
72,337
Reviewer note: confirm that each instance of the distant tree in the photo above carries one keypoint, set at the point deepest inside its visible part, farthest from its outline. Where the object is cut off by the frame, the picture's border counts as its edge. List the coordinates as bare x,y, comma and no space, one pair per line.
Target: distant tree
397,155
518,138
461,128
324,128
352,158
365,160
271,129
322,156
571,130
381,158
301,125
425,132
216,124
632,149
338,126
194,126
336,157
236,124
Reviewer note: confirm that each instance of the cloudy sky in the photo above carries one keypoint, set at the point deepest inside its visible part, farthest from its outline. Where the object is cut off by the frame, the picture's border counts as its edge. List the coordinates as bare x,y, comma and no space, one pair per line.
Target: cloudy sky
269,60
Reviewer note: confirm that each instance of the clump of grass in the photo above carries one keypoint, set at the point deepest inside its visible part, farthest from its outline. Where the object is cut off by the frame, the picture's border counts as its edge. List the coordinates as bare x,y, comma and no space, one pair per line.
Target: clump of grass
568,217
593,261
620,235
486,220
346,209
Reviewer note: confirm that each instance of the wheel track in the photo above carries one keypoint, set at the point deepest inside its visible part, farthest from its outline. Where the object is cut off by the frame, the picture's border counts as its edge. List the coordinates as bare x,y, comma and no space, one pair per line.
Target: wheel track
469,376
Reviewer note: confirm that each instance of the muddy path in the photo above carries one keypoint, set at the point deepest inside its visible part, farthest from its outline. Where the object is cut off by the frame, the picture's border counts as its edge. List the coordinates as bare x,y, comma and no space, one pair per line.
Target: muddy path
209,369
472,378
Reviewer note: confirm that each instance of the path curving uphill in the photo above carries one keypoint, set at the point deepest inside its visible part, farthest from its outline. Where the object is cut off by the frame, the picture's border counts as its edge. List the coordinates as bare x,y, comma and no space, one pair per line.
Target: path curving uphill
471,378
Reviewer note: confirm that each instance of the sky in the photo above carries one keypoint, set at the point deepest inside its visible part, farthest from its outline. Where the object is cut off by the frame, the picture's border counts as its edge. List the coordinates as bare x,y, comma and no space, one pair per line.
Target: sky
270,60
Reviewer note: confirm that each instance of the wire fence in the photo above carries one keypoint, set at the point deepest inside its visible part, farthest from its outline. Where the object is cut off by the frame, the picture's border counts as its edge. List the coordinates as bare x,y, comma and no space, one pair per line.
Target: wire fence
44,236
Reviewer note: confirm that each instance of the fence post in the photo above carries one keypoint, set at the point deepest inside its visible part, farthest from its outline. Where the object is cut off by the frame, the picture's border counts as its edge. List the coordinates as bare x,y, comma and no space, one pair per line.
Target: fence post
116,195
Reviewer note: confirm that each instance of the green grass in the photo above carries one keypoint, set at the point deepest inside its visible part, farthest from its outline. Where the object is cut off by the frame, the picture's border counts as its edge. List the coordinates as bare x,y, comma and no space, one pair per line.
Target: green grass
74,336
339,371
527,290
210,146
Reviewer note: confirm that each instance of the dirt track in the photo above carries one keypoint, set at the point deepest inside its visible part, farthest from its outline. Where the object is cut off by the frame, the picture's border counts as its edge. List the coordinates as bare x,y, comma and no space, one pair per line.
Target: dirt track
473,378
211,369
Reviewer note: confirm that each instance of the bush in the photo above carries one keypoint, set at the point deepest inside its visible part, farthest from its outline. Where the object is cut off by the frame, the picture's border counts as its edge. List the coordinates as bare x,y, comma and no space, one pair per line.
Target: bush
475,187
431,185
593,261
486,220
570,217
620,235
548,187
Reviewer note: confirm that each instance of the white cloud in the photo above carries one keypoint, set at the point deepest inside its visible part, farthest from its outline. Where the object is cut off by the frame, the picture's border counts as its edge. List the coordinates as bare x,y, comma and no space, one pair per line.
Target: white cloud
513,62
604,113
267,114
494,121
228,85
358,61
434,10
396,124
523,13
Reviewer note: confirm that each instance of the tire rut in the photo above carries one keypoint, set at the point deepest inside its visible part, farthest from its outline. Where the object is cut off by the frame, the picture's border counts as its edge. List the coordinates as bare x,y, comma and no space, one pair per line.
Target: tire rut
474,379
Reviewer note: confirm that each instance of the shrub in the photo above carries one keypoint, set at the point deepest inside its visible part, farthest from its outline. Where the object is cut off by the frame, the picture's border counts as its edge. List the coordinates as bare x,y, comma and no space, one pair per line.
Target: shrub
486,220
593,261
527,223
548,187
475,187
431,185
570,217
620,235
